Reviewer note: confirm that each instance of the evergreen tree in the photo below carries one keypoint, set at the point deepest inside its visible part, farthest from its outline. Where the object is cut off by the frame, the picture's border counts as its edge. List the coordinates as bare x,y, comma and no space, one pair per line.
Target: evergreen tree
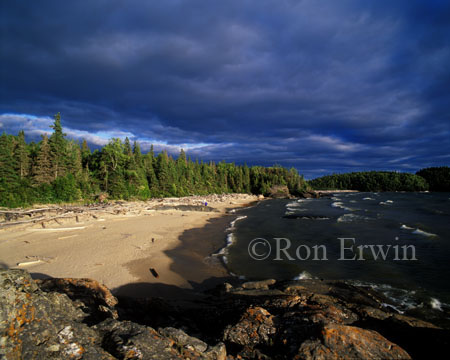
151,175
137,155
58,148
8,164
85,153
42,167
162,172
74,159
21,155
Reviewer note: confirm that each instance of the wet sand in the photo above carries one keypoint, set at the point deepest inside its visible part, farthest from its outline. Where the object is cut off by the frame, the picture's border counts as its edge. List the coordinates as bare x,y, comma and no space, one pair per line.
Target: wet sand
191,260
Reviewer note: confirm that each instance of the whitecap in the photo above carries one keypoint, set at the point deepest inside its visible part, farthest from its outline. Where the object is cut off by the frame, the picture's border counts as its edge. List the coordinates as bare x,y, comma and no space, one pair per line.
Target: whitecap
337,204
293,210
403,299
293,204
384,203
423,233
436,304
406,227
304,275
368,198
230,239
234,222
340,205
352,217
392,307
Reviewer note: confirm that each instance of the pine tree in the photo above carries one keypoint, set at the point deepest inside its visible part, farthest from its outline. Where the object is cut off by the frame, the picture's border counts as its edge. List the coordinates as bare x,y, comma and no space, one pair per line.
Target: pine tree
21,155
138,155
42,167
150,174
58,148
74,162
162,171
85,153
8,163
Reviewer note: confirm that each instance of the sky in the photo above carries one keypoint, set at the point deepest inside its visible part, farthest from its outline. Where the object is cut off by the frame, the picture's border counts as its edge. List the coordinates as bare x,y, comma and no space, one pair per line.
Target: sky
324,86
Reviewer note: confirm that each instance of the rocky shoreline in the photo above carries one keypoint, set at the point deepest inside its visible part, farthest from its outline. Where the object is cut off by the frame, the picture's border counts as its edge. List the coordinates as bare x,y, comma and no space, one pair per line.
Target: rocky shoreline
305,319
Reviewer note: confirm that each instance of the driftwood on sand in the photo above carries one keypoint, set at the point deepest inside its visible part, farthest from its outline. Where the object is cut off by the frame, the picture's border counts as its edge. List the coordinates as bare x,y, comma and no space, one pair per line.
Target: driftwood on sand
79,213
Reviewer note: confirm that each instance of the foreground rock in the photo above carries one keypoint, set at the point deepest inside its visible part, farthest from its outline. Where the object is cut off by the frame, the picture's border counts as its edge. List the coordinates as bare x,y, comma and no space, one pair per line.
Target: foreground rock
307,319
35,324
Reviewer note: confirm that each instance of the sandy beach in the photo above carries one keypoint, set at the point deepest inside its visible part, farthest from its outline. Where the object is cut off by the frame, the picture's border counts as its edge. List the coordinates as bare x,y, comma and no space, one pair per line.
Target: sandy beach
119,250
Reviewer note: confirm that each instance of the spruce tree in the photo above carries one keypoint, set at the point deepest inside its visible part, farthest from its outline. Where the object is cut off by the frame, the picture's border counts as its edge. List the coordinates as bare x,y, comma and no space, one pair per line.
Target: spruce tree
162,171
58,148
74,162
21,155
85,153
151,175
137,155
42,168
8,163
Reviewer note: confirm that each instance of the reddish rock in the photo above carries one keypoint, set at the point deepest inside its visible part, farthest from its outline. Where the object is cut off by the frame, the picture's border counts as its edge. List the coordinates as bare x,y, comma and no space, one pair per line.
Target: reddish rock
342,341
255,327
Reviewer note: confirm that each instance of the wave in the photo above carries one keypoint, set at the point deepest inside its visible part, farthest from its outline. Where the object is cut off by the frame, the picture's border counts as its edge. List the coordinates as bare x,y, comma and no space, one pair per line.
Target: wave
368,198
296,203
402,300
231,227
406,227
304,275
423,233
304,217
337,204
387,202
352,217
417,231
340,205
293,211
436,304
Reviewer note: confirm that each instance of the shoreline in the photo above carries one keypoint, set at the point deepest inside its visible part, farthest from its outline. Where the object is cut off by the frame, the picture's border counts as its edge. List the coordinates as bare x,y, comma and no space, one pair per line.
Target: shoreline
172,237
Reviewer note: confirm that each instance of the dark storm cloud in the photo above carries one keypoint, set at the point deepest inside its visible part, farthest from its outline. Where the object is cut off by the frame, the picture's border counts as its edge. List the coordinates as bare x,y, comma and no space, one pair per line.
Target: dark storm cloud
320,85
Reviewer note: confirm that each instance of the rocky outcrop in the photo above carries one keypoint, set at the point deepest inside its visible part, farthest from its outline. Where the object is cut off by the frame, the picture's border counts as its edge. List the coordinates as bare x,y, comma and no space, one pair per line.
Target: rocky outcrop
37,324
306,319
279,192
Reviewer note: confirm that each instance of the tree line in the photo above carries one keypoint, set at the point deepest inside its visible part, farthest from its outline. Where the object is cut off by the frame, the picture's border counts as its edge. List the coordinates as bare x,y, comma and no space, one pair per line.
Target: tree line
60,170
433,179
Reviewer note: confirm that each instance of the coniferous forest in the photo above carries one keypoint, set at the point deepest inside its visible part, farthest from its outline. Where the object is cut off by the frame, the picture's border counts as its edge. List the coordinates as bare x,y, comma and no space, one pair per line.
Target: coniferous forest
60,170
433,179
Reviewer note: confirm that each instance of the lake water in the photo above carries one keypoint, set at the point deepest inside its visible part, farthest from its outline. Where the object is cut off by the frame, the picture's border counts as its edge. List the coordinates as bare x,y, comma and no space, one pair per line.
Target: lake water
404,226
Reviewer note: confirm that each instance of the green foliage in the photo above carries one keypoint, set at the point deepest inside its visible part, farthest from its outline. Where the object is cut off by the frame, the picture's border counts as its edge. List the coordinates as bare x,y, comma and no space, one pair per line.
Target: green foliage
56,170
371,181
66,189
437,177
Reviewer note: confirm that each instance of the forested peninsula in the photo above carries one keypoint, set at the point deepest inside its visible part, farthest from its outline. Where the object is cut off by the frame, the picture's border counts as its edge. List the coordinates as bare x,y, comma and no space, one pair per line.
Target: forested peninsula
57,169
432,179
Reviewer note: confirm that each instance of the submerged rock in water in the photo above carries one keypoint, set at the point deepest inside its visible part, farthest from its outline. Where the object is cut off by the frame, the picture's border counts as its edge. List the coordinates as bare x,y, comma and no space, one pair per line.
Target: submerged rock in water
306,319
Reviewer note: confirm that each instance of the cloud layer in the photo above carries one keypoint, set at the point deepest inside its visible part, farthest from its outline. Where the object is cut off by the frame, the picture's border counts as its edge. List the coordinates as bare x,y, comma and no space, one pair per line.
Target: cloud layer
323,86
